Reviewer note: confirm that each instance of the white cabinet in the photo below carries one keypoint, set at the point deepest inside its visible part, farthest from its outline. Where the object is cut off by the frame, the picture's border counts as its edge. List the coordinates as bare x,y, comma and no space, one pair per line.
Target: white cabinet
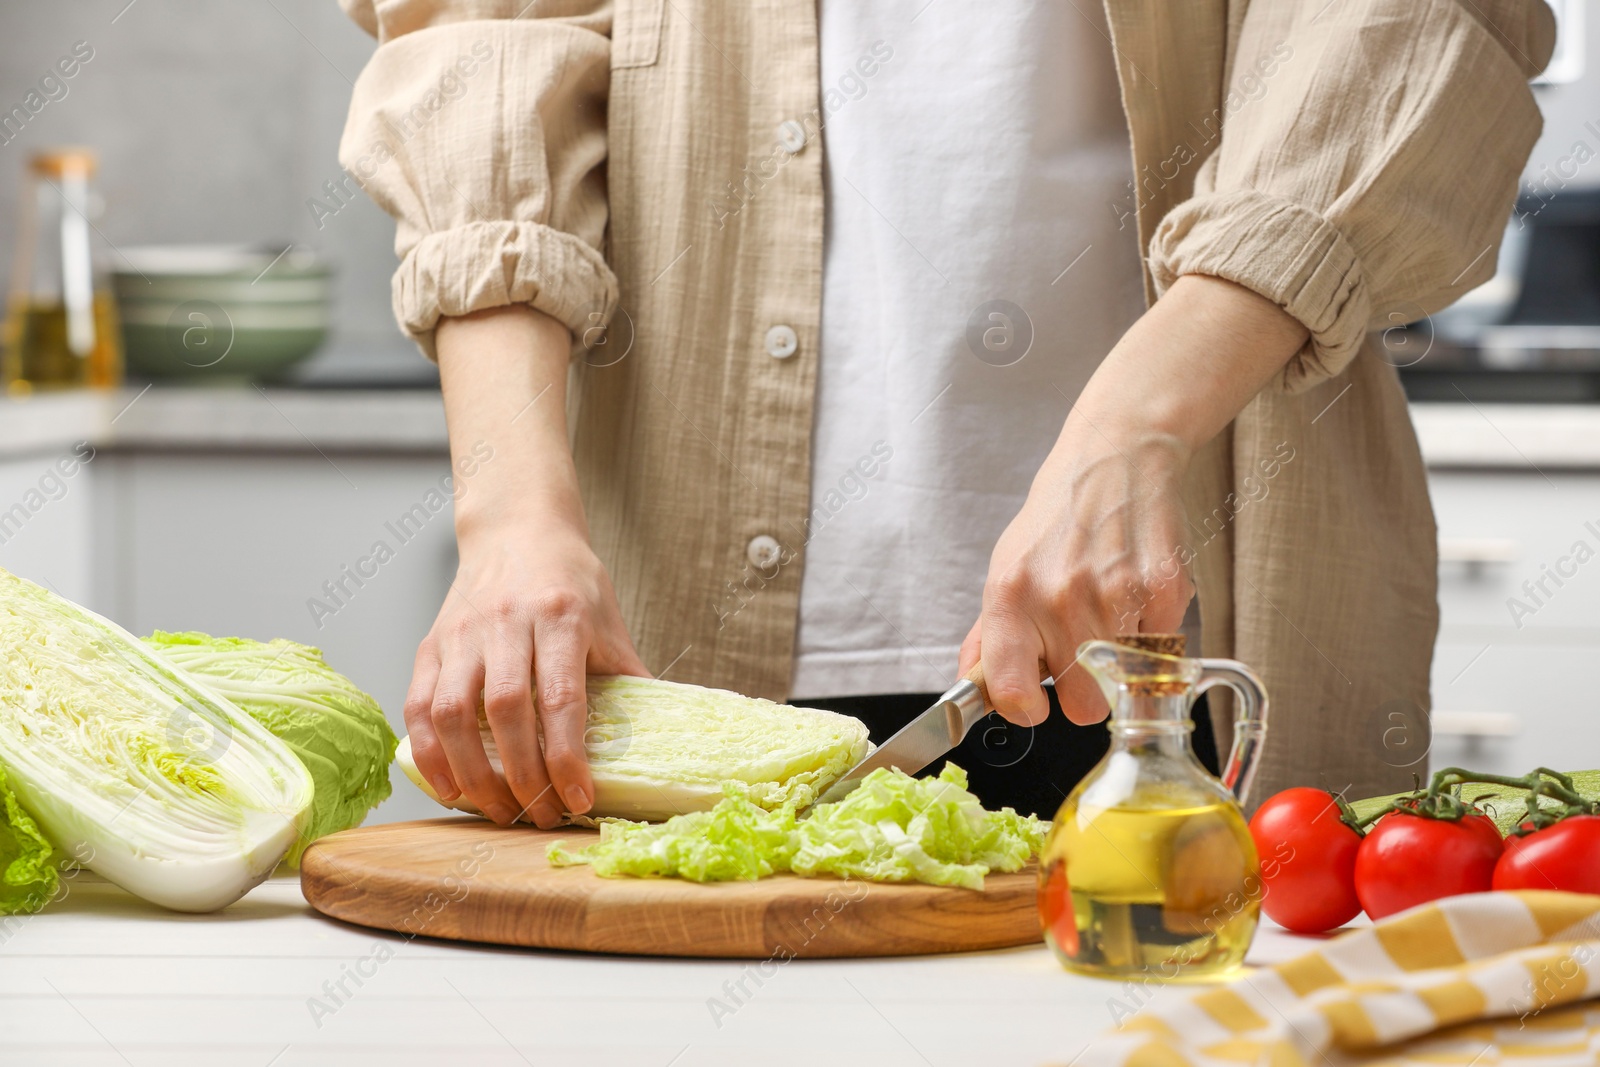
1512,656
45,520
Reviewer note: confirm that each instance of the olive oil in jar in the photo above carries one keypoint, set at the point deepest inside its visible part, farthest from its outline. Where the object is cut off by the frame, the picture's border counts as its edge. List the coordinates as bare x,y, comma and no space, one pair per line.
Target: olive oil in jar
1161,885
61,323
1149,872
39,352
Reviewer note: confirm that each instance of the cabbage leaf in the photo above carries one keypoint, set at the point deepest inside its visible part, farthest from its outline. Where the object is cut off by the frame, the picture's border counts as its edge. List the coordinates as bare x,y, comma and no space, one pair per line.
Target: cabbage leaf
1505,804
28,880
891,828
146,775
338,731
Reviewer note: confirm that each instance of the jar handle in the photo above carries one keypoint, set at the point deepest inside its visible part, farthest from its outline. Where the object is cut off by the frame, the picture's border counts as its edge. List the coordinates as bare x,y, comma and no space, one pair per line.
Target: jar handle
1249,725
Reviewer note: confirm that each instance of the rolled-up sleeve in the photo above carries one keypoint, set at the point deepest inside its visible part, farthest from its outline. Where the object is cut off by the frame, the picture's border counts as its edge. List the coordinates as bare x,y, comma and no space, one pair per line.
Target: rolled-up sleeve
1368,162
480,125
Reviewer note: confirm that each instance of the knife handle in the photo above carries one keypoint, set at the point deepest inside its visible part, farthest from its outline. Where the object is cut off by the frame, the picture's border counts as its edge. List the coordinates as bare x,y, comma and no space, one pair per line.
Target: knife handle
975,676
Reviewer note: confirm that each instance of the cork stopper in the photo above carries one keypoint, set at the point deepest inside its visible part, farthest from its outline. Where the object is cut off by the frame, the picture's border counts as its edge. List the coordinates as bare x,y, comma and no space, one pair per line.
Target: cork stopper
60,162
1159,681
1160,644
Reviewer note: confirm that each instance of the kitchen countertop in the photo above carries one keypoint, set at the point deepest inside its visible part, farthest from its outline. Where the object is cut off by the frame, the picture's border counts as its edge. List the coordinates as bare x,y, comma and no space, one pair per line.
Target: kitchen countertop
1486,436
1527,437
246,417
101,978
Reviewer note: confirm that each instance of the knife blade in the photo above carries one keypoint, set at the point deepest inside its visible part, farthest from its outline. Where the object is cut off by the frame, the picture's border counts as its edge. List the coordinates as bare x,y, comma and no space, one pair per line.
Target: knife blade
927,737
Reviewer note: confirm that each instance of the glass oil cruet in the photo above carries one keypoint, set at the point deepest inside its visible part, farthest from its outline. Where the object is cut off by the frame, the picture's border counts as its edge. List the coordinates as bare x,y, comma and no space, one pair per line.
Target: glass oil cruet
1149,870
60,326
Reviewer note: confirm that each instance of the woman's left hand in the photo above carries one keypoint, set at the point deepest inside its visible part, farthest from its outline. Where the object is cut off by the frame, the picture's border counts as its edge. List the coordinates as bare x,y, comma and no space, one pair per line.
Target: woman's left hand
1098,548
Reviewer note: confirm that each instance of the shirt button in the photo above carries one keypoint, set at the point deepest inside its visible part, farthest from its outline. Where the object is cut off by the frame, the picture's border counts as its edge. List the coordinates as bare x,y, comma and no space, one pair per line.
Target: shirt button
782,342
792,136
763,552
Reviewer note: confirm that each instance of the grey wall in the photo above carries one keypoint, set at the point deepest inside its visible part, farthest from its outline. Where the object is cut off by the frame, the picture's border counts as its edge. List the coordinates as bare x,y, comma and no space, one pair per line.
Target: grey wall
214,121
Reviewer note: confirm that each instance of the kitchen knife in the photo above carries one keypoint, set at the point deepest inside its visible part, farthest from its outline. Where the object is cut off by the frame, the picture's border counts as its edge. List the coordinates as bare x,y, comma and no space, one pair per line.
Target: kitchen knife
925,738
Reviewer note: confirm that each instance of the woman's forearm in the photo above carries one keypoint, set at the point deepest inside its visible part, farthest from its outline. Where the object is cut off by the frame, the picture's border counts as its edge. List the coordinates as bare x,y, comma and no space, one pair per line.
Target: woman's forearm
504,376
1190,364
530,605
1091,552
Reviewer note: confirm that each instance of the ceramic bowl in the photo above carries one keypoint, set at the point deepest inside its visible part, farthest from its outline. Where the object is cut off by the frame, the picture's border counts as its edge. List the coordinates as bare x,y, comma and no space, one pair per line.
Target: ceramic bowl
215,312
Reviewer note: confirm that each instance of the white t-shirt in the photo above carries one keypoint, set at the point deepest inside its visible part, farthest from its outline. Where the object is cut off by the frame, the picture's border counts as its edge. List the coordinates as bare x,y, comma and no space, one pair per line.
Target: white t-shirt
977,172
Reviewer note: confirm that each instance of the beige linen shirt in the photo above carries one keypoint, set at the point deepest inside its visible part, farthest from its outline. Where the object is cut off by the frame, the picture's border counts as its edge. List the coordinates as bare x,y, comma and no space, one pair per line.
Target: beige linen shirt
655,164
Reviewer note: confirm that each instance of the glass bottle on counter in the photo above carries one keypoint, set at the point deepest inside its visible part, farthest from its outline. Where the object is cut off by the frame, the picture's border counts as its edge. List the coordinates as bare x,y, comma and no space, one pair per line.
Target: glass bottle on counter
1149,870
61,325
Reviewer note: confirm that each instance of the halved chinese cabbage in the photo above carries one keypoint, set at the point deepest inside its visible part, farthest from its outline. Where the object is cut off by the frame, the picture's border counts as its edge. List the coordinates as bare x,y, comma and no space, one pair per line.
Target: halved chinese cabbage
338,731
658,749
144,774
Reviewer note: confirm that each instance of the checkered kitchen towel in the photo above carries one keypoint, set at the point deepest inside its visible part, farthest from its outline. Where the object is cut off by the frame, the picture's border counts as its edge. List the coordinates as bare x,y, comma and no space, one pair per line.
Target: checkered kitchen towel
1487,980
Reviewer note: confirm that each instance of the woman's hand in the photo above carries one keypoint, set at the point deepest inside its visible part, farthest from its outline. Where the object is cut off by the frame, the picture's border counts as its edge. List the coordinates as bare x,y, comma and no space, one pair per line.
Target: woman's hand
531,602
1095,551
538,605
1098,547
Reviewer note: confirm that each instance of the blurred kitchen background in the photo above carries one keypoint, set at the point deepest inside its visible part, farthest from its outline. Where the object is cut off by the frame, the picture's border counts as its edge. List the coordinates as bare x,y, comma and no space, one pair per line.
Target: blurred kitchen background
214,123
245,493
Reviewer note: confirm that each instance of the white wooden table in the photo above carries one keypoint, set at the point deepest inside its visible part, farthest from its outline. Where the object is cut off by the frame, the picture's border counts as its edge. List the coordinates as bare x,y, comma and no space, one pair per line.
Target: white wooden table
101,978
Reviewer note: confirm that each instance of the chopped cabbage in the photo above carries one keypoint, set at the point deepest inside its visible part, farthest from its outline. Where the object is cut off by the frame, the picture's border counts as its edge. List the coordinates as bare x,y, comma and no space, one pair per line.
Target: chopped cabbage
894,828
338,731
658,749
891,828
148,776
733,842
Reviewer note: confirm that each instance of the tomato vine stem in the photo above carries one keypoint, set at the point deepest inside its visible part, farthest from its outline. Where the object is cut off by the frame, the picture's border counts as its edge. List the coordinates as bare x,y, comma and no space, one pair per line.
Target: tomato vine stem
1442,799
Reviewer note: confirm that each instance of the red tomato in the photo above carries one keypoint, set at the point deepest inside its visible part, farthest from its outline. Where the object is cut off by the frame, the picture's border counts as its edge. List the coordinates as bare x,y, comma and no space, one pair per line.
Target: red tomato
1485,826
1055,910
1406,860
1565,856
1308,860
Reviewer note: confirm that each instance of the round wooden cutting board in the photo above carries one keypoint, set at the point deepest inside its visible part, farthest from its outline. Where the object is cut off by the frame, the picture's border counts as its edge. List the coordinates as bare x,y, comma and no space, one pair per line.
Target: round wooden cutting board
470,880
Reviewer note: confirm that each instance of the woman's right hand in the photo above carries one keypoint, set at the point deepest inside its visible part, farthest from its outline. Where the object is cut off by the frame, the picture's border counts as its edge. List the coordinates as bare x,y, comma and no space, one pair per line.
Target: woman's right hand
522,610
531,603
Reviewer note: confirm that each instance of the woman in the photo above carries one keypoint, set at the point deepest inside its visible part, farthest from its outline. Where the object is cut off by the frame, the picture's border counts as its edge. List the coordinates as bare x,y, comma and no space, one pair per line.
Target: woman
831,396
